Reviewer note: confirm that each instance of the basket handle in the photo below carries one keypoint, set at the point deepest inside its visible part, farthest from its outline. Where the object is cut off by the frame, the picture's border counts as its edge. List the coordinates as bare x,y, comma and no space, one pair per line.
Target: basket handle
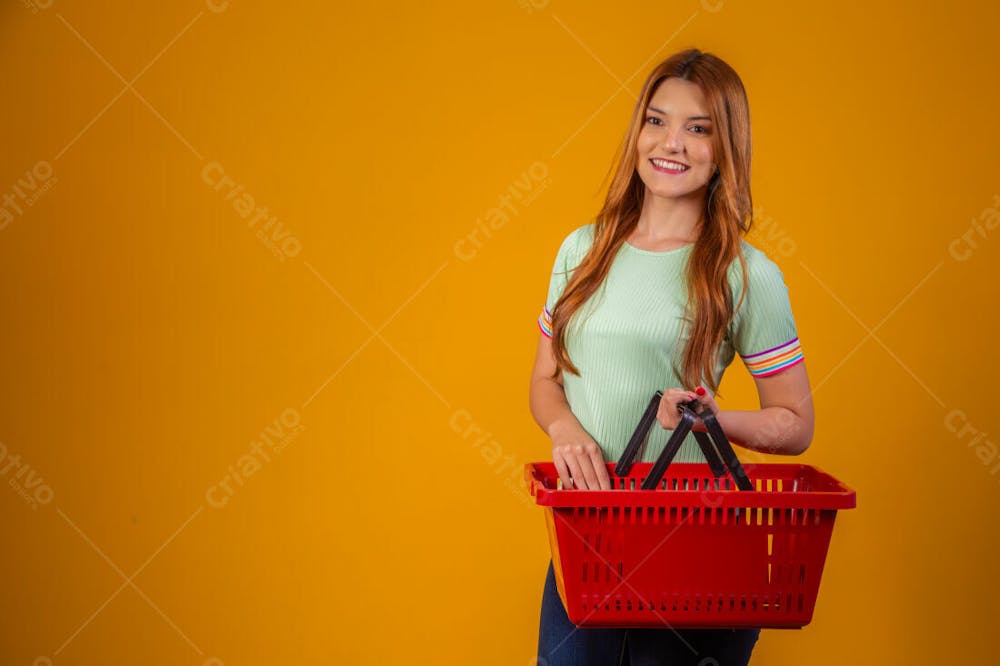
717,450
639,438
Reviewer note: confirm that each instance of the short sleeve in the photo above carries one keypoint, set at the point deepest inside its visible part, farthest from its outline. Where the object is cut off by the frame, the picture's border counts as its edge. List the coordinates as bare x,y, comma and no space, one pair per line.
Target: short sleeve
567,259
763,331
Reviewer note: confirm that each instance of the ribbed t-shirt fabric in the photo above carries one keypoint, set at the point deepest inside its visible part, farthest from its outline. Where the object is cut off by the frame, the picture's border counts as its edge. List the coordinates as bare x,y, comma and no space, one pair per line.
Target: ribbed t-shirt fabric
625,337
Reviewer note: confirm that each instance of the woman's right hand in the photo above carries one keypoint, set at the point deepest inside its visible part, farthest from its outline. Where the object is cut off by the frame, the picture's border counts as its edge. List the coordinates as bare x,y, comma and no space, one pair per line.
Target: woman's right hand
577,455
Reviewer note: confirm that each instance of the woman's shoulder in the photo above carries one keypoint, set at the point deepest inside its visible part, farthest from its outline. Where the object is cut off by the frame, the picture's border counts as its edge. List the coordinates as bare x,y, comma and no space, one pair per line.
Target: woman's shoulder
760,267
754,253
576,243
583,235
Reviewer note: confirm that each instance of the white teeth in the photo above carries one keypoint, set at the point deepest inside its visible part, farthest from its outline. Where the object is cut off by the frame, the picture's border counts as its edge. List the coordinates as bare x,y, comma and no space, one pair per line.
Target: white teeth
667,164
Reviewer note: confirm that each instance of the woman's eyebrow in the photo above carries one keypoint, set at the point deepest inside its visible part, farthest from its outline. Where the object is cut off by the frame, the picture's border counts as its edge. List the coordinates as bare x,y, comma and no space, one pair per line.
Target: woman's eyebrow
663,113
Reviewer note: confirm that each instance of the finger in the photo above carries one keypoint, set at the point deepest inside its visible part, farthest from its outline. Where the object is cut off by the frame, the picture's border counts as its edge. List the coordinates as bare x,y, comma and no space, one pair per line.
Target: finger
705,399
589,473
575,472
665,413
562,468
603,480
677,396
690,398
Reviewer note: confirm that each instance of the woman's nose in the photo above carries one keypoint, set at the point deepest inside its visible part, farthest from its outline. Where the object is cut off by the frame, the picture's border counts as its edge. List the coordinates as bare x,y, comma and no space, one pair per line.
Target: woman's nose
672,139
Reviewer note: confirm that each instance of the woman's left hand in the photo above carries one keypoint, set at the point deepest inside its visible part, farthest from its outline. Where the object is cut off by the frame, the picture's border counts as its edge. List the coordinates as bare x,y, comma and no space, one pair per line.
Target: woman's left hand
668,415
702,395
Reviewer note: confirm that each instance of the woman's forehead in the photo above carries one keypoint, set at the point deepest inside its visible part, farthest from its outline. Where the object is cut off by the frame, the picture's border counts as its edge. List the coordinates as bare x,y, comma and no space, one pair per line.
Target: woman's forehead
678,96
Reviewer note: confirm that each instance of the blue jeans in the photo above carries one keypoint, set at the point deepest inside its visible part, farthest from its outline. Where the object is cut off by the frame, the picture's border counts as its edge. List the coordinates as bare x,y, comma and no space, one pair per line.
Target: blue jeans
561,643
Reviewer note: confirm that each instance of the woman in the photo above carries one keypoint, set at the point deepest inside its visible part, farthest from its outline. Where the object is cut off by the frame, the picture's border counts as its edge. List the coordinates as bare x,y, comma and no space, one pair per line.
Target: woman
650,297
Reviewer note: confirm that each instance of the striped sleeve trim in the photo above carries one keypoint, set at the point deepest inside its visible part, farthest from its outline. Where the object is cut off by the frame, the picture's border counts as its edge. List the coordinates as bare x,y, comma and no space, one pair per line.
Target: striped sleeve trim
545,322
776,359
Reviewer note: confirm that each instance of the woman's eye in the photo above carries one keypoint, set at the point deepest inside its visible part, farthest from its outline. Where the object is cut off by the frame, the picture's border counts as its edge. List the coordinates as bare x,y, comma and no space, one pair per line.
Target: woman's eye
698,129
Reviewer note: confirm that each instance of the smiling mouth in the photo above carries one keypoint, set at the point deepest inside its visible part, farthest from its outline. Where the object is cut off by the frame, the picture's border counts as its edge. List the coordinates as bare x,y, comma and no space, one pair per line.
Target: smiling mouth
668,166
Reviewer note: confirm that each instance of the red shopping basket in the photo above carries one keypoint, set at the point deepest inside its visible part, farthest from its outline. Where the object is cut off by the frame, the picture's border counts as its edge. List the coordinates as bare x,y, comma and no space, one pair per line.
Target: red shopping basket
694,549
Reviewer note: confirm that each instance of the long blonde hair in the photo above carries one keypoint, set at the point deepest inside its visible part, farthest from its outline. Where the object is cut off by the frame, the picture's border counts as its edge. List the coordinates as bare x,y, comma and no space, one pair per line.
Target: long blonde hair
728,214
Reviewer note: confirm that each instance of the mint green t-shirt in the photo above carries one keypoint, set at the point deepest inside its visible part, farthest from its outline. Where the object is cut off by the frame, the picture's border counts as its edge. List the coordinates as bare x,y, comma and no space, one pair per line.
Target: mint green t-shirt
623,339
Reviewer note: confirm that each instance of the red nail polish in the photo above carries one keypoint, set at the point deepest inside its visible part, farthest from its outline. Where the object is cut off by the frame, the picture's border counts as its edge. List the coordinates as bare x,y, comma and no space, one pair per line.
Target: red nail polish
700,391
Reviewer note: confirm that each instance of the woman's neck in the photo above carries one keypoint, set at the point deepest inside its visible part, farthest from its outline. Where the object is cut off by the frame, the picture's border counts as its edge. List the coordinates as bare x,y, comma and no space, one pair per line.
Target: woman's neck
665,220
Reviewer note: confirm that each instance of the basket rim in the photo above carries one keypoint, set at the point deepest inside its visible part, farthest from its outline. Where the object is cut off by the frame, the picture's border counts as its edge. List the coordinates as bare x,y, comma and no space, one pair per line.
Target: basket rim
826,492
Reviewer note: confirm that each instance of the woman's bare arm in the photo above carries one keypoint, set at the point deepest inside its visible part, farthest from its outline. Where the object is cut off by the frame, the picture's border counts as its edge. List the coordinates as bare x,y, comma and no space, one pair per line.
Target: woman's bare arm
574,452
784,423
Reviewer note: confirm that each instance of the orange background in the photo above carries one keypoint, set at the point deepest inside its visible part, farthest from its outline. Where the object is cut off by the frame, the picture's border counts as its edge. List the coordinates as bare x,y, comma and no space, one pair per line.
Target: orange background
298,440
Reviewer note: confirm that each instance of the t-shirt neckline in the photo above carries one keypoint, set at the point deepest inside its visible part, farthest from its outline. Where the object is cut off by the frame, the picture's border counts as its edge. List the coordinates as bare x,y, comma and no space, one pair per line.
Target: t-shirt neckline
676,250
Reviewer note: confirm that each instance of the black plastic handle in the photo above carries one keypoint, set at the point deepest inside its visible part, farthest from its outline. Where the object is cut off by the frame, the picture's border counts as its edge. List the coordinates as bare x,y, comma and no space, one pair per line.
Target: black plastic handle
725,449
717,450
638,437
671,448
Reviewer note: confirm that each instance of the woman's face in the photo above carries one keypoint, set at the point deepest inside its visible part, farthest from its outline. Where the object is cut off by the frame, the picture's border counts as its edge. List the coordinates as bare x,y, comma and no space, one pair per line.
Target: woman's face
676,130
